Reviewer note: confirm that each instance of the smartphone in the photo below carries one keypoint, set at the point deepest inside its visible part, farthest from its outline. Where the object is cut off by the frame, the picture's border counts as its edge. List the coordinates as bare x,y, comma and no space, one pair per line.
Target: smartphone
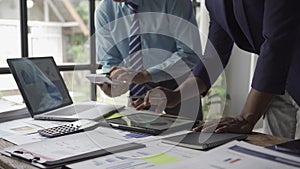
103,78
290,146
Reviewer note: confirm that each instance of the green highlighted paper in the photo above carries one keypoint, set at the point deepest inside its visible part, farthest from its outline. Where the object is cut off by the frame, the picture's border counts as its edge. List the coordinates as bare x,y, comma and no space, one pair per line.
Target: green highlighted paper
115,115
118,115
161,159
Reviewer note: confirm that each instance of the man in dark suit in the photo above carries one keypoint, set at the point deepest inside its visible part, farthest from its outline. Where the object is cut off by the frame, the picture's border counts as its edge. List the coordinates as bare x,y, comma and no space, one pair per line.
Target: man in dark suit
271,29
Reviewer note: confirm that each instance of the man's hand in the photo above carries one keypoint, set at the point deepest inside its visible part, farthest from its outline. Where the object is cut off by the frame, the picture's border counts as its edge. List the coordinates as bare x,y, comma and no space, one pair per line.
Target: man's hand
226,124
160,97
125,74
114,90
256,105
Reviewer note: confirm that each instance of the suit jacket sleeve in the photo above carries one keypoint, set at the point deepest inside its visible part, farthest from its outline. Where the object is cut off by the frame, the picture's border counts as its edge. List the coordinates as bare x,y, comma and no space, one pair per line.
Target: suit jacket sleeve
280,30
217,53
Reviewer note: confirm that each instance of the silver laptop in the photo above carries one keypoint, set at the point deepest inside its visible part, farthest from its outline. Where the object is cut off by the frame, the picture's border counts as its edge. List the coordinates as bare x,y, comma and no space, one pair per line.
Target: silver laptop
45,93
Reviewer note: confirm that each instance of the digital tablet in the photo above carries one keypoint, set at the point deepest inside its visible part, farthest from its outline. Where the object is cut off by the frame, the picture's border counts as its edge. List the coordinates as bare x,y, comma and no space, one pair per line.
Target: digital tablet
203,141
151,123
290,146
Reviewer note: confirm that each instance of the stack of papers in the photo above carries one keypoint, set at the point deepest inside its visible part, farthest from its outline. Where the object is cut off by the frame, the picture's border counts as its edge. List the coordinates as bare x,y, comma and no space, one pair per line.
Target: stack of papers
67,149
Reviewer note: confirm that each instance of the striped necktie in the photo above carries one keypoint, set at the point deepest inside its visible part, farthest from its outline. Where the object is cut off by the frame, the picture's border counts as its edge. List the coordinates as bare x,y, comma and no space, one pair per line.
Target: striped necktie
135,47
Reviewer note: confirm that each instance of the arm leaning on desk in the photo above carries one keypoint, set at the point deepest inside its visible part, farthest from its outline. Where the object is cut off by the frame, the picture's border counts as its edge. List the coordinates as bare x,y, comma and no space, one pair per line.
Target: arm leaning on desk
253,138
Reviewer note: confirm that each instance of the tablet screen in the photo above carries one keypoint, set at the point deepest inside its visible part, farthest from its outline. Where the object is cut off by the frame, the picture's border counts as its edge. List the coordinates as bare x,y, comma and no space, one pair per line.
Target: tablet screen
149,122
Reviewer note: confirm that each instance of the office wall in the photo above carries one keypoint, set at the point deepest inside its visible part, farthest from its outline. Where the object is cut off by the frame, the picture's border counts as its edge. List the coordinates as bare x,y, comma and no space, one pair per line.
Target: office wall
238,80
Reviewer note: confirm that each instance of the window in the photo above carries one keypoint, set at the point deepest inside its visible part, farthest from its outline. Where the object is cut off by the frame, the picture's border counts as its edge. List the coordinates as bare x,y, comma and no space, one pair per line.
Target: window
38,28
9,31
10,43
60,29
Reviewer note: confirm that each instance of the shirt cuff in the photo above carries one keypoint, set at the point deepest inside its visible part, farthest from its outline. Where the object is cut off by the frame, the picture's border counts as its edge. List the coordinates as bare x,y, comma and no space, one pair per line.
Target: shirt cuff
158,75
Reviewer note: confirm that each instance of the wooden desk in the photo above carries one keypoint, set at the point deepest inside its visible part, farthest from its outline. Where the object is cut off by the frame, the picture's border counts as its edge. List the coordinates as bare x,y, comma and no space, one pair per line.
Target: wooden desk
265,140
254,138
9,163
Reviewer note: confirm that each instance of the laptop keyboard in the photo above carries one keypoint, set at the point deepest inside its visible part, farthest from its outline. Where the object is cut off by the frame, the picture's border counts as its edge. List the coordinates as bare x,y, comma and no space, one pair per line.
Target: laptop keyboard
72,110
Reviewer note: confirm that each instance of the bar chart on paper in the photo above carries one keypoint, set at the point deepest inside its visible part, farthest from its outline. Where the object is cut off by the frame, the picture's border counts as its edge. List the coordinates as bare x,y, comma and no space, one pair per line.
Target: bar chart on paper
237,155
155,154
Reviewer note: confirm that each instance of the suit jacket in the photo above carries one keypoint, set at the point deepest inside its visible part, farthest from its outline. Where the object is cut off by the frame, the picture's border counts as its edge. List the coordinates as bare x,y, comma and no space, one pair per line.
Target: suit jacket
269,28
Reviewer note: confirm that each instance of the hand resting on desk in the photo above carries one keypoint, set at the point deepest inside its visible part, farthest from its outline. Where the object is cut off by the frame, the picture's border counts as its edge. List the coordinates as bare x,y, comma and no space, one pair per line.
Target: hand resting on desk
225,125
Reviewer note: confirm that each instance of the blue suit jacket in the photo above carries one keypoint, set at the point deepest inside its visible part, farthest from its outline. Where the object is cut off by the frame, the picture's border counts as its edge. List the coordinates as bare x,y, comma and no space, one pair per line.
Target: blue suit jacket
269,28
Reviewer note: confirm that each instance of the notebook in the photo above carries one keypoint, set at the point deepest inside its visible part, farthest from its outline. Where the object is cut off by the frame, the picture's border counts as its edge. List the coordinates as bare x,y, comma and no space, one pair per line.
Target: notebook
202,141
152,124
46,95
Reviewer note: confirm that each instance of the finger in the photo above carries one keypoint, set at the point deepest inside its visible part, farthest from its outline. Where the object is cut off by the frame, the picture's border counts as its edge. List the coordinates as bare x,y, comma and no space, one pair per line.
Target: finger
210,124
116,73
113,69
125,76
232,128
227,121
222,129
147,98
199,126
142,106
137,102
197,129
106,89
104,86
211,128
218,125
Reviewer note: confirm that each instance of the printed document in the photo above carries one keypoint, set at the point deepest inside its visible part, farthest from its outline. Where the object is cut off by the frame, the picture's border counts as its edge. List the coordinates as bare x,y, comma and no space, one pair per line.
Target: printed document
237,155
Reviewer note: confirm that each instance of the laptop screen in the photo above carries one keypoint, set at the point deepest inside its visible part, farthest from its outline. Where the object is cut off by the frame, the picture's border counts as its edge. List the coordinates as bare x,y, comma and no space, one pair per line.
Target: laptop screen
40,84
